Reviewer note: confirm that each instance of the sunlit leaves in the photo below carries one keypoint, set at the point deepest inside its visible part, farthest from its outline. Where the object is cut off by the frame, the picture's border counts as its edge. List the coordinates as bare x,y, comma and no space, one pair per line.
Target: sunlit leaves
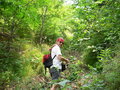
98,20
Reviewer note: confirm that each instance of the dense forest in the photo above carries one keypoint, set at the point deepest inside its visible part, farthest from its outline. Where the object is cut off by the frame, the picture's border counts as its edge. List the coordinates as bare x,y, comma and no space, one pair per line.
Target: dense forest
91,29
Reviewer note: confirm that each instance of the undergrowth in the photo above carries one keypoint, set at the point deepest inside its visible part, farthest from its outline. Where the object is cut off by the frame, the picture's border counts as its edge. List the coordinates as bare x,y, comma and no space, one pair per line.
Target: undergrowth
19,60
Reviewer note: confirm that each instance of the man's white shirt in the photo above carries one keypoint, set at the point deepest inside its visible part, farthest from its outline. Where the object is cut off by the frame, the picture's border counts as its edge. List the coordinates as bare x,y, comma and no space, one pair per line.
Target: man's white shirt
56,51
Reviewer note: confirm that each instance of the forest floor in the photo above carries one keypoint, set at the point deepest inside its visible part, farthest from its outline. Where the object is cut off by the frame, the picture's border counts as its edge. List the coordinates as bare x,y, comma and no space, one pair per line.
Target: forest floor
41,82
77,76
44,83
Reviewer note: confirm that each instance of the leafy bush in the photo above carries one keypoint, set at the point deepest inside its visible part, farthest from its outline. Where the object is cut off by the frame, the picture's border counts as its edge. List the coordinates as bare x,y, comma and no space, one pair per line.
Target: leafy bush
109,76
89,56
10,63
74,70
18,60
111,71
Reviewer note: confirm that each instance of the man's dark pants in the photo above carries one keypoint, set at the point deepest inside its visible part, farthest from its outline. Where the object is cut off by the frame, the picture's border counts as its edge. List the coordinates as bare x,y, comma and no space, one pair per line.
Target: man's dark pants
55,73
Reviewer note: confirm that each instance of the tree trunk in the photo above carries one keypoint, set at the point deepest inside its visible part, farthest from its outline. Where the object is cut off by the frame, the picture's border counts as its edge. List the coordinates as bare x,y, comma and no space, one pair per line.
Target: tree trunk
42,23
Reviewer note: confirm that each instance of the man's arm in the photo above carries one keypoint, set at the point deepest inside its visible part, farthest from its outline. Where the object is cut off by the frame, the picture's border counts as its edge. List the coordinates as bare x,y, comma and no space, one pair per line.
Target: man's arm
60,57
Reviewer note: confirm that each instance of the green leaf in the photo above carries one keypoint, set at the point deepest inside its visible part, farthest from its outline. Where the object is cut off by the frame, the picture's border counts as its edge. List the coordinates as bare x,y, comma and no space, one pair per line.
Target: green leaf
63,83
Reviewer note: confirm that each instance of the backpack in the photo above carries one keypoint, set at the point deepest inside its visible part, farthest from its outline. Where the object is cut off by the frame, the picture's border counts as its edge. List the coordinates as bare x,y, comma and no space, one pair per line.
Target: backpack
47,61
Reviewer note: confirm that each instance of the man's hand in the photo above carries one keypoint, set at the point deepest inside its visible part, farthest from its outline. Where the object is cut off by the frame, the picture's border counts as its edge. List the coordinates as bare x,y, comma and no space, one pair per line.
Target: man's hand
67,61
60,57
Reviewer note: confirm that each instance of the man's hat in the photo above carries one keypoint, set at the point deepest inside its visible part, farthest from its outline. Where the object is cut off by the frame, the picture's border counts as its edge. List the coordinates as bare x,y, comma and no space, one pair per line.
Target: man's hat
60,40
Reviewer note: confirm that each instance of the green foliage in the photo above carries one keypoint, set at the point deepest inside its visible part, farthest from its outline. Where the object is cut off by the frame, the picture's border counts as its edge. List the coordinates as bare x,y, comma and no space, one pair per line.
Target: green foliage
10,64
90,28
18,62
63,83
96,34
110,70
74,70
96,25
108,78
22,23
89,56
31,83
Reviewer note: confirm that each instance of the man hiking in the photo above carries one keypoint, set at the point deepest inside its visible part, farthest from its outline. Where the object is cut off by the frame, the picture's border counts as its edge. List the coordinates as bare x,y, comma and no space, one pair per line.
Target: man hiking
56,68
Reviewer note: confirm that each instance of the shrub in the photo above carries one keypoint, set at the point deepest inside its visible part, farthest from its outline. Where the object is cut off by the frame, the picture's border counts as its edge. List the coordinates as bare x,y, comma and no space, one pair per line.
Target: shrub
111,71
18,60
